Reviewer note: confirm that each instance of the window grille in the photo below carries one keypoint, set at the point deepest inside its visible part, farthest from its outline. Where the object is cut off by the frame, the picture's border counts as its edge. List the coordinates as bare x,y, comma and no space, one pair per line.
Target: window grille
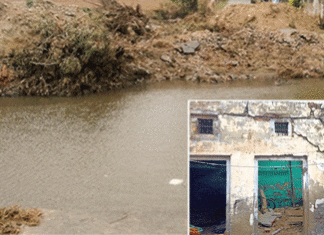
205,126
281,128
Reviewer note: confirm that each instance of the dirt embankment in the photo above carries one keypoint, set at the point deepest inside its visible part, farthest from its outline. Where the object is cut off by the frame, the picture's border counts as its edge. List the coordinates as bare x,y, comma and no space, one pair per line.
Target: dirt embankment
49,49
244,41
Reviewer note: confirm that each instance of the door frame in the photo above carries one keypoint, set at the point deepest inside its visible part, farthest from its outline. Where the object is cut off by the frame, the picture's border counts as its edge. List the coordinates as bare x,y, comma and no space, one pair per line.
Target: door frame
305,188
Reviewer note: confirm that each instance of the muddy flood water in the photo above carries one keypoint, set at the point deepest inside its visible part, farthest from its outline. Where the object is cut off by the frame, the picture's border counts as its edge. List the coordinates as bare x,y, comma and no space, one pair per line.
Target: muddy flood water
103,163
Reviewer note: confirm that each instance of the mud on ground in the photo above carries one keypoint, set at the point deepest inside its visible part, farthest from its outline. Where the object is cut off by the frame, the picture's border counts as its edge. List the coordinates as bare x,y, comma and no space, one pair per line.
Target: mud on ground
50,49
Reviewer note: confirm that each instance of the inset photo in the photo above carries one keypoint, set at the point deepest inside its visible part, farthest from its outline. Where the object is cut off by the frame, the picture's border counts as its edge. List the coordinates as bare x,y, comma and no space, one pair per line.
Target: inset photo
256,167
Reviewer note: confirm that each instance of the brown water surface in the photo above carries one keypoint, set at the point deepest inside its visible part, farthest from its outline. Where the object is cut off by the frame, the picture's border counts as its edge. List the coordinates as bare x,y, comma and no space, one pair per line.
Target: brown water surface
103,163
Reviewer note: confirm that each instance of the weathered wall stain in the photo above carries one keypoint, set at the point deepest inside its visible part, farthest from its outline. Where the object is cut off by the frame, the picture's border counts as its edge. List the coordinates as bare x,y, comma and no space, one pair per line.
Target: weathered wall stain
316,194
241,221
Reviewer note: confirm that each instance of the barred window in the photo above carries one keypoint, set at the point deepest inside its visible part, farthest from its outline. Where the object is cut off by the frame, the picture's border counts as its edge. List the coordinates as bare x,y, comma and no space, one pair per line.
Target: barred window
281,128
205,126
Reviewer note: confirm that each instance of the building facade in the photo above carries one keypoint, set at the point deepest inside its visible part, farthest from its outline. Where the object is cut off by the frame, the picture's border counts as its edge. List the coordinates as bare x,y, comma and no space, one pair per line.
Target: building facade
248,135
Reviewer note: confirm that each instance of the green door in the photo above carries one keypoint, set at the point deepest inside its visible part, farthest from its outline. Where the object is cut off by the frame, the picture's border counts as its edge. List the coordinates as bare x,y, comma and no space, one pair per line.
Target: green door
275,179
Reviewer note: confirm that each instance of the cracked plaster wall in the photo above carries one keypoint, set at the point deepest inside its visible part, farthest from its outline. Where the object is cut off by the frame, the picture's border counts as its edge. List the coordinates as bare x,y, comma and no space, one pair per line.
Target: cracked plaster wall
244,130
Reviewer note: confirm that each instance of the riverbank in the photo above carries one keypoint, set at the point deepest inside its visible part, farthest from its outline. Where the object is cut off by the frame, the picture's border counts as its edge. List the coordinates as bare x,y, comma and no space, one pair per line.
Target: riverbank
48,49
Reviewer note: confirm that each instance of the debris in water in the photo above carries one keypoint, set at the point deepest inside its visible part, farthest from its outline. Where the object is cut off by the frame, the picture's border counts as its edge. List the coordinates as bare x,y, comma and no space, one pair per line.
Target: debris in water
176,181
13,217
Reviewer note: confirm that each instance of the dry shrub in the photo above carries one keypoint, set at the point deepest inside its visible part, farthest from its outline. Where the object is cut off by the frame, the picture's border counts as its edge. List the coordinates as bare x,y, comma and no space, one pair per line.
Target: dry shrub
61,52
124,18
204,7
168,10
182,8
187,6
176,9
13,217
68,51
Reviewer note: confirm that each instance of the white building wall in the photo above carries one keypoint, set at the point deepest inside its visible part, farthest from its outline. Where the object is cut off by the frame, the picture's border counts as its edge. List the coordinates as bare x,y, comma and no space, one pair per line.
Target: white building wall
246,130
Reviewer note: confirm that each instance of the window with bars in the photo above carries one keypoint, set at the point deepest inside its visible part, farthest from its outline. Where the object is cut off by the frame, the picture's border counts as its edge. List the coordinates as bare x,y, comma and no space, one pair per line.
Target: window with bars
281,128
205,126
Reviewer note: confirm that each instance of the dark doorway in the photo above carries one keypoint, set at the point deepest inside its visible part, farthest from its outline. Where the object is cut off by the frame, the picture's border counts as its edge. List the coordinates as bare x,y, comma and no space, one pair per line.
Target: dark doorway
208,195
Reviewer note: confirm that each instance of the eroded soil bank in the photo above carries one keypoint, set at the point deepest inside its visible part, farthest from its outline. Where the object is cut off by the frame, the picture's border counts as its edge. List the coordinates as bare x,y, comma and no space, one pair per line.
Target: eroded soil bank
47,49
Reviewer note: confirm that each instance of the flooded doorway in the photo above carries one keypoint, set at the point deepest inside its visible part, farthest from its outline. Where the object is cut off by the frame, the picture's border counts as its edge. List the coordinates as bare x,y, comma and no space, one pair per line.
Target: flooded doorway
208,195
281,195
